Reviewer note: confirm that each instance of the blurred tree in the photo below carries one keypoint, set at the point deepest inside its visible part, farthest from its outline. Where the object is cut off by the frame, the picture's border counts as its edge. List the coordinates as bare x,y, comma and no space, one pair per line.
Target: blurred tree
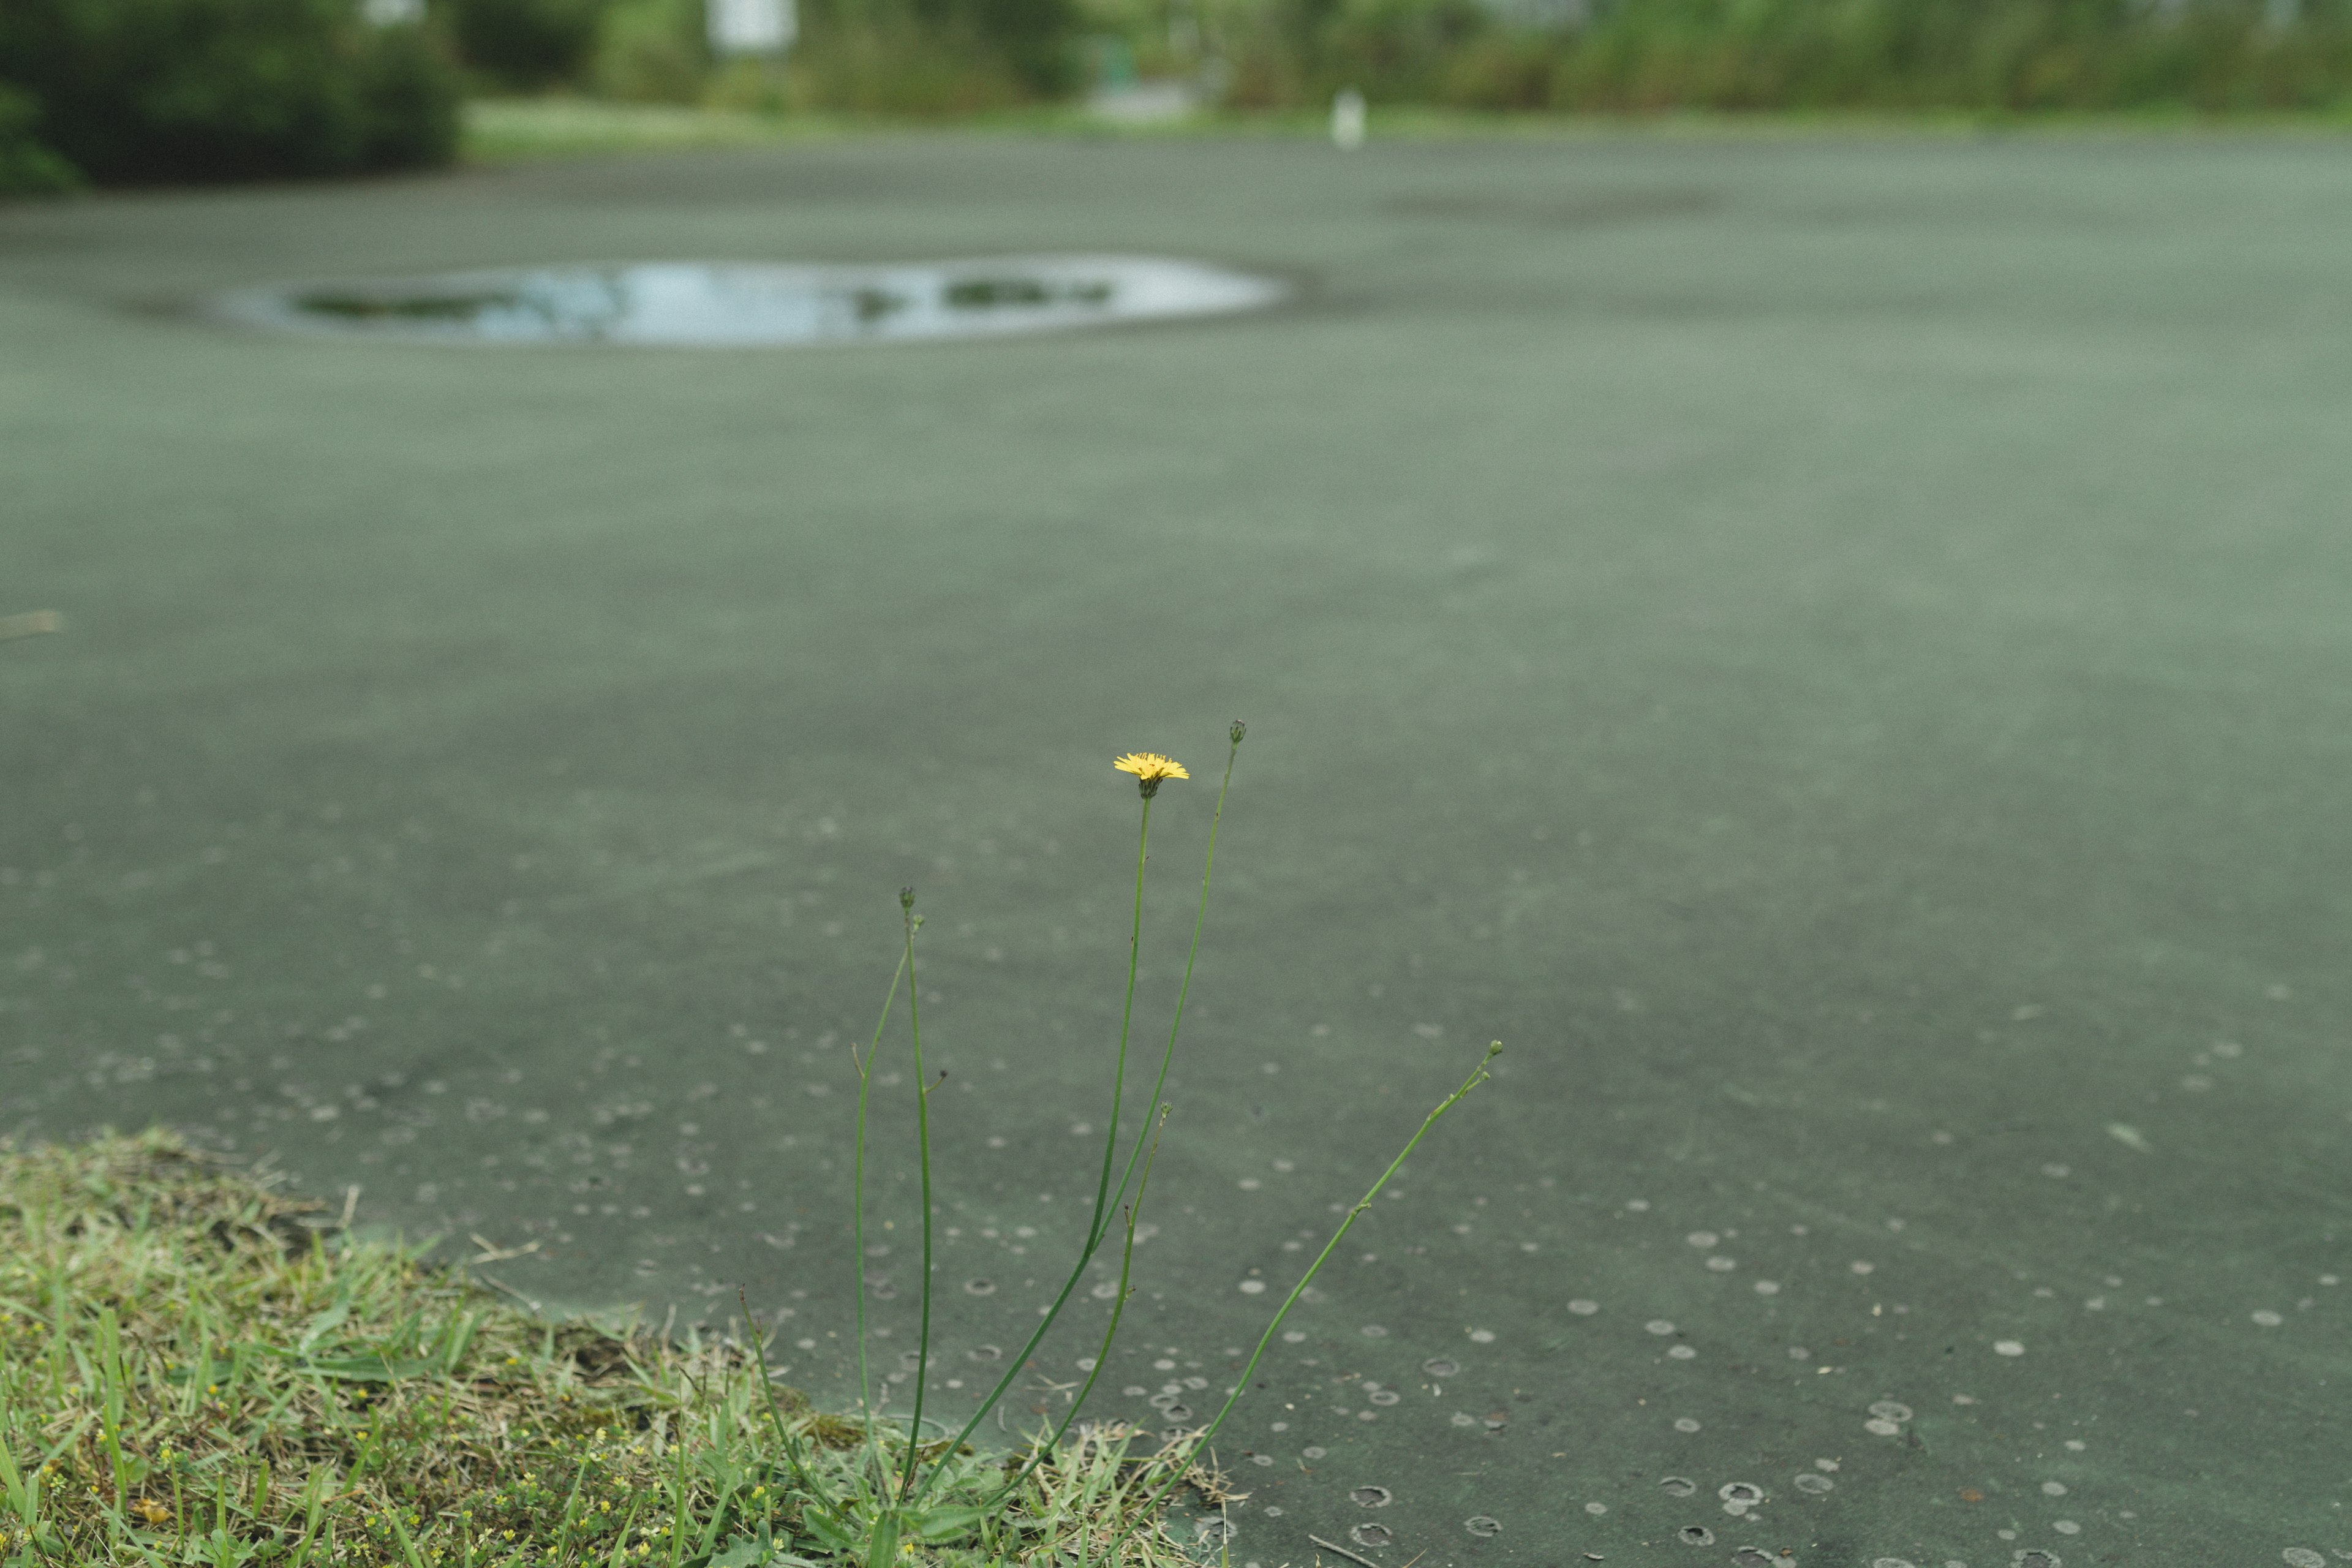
26,165
1036,39
525,44
224,89
935,57
655,51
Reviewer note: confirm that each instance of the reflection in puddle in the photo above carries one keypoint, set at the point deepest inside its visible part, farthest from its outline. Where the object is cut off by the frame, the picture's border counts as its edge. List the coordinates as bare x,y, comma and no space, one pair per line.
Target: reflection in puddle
720,304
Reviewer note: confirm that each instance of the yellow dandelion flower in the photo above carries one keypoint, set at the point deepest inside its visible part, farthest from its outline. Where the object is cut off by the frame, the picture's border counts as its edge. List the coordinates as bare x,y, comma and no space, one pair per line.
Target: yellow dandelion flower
1149,768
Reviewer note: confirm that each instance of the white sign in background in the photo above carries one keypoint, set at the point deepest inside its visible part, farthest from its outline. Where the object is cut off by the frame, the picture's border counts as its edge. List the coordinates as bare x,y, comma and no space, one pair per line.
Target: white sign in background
752,26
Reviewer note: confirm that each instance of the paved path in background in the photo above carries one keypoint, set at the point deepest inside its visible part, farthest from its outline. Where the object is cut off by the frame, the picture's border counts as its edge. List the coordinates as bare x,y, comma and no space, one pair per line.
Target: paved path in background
1837,652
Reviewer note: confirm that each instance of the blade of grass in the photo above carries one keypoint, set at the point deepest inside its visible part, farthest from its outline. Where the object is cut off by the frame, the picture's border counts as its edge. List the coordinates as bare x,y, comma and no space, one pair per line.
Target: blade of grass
801,1476
24,1492
858,1205
1102,1356
923,1152
1478,1074
314,1508
1126,1021
400,1533
571,1511
621,1543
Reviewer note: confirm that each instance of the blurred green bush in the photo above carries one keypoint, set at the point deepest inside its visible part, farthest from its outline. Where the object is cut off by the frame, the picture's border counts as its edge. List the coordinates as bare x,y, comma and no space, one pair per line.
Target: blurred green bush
139,90
523,45
933,56
654,51
26,165
2009,55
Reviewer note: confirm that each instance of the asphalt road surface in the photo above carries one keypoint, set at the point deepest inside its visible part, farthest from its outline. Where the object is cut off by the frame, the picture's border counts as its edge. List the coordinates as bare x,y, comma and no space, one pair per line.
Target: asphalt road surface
1835,650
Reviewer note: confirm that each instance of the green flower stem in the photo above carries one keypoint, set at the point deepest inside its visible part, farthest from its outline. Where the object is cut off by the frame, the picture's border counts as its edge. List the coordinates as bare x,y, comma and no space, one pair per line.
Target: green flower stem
1097,1224
677,1515
923,1147
1126,1019
857,1204
1111,1331
1200,918
1102,1190
1478,1074
801,1477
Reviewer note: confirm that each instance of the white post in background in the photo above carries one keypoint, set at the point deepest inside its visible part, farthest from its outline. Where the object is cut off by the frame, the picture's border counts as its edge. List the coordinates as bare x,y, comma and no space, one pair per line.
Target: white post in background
1348,119
752,26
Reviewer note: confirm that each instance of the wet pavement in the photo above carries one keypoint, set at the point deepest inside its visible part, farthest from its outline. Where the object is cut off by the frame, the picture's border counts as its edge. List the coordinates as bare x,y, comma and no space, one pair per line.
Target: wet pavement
706,305
1834,650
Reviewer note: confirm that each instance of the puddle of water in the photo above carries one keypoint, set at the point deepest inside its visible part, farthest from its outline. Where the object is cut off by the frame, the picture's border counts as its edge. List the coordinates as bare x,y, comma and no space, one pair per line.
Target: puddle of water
744,304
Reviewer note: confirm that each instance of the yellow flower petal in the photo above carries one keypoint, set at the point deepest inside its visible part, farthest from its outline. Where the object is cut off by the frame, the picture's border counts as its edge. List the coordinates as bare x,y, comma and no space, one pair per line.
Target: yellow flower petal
1151,767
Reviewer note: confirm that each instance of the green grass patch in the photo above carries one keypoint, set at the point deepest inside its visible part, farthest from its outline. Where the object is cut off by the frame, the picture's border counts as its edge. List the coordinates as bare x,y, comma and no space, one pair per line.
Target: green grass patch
507,129
196,1368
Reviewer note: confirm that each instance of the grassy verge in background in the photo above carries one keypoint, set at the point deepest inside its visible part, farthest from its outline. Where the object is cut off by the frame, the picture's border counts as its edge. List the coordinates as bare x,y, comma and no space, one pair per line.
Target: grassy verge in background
501,130
505,130
195,1368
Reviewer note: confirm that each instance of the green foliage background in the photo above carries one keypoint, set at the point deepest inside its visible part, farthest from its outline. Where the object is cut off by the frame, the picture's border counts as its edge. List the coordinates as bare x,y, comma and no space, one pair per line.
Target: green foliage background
145,90
1571,55
874,57
129,91
1636,56
522,45
26,165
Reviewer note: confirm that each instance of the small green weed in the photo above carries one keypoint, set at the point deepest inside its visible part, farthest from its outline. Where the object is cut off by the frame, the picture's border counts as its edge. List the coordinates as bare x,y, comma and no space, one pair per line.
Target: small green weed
887,1502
